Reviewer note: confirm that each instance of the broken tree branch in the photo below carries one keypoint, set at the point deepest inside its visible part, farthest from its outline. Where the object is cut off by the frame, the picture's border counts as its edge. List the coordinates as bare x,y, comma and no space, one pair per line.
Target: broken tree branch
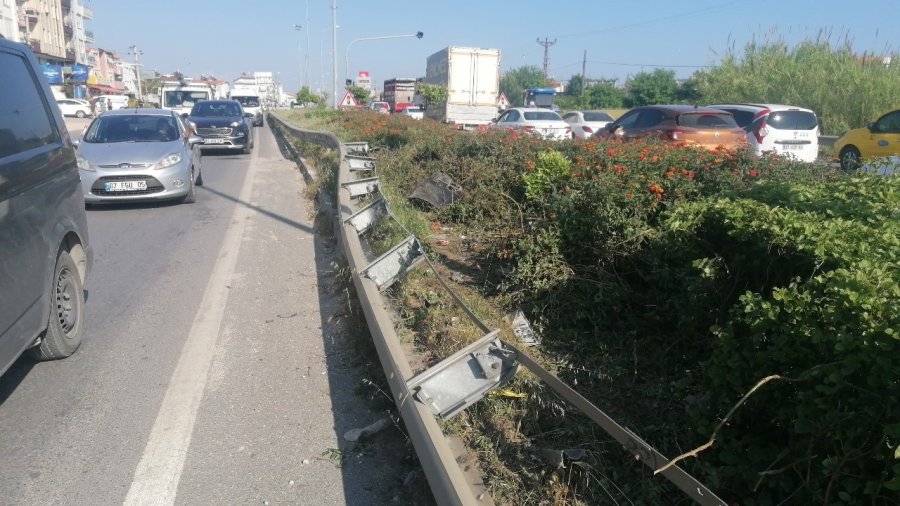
712,439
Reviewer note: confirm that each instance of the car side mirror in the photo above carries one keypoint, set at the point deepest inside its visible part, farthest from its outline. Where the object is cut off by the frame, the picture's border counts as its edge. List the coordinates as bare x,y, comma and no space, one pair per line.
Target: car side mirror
76,143
194,140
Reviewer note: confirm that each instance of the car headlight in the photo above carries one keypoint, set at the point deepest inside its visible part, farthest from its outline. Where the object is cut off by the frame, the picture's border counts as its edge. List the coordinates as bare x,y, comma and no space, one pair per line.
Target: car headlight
83,164
236,124
168,161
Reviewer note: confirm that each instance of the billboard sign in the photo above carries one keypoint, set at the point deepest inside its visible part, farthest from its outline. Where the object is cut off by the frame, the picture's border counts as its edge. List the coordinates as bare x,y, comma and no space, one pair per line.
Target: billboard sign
53,73
80,73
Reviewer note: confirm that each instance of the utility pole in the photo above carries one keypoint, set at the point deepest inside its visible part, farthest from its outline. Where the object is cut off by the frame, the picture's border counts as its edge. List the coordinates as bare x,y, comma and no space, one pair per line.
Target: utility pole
307,43
334,87
137,69
583,73
546,43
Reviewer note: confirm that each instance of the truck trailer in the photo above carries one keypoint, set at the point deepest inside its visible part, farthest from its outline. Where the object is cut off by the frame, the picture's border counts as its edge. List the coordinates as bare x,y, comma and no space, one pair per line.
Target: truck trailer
472,79
399,90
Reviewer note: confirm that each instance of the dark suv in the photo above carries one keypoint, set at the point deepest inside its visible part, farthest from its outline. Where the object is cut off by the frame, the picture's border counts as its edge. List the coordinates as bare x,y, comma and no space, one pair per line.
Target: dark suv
222,124
45,256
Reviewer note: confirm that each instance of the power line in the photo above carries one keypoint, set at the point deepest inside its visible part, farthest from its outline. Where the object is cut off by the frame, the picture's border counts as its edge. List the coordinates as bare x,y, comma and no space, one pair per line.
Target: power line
707,10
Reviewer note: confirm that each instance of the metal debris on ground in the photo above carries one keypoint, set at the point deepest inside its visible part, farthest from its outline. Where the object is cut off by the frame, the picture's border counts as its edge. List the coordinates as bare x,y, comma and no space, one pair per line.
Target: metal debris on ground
558,458
439,190
354,434
522,329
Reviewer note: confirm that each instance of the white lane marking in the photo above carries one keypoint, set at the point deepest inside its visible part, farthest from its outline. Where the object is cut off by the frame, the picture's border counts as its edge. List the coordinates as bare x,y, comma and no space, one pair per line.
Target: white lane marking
159,471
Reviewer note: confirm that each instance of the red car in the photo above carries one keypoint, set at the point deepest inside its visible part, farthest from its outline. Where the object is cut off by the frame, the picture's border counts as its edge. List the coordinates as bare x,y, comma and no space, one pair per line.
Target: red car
400,106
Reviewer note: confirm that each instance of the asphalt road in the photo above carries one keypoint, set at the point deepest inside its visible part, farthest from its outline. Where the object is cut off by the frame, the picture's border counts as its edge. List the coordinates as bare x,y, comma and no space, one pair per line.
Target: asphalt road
214,369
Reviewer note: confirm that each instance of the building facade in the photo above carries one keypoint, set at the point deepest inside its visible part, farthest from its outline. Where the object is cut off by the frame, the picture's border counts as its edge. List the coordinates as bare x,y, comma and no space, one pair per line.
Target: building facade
55,32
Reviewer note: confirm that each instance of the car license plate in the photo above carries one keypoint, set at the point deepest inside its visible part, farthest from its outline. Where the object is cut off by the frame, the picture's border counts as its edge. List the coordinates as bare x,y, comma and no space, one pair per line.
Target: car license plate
125,186
214,141
792,147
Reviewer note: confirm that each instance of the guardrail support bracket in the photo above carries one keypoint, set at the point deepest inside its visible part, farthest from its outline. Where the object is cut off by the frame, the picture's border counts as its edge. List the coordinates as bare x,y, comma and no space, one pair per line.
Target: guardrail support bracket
361,187
465,377
388,268
360,163
363,219
357,148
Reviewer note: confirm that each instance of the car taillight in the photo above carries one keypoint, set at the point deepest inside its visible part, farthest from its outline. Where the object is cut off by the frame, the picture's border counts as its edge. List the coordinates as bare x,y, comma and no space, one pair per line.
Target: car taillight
528,128
675,135
587,129
761,131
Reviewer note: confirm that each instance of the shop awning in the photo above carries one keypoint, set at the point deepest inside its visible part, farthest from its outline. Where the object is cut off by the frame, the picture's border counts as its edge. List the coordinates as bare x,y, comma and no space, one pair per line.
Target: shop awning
109,90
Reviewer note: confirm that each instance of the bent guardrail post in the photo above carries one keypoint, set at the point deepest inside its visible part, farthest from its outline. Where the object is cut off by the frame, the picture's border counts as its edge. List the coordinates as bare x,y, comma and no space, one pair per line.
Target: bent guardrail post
448,483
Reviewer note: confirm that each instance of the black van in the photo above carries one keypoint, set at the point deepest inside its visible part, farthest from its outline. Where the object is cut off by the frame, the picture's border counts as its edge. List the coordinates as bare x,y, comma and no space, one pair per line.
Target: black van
45,256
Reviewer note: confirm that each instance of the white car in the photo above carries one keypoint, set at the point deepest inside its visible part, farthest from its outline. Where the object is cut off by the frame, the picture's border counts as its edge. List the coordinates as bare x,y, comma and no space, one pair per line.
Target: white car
781,129
72,107
585,123
413,112
542,122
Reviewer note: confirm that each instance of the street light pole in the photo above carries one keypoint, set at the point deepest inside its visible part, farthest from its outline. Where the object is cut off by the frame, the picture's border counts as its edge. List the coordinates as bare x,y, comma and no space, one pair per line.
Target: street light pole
300,56
307,43
334,100
137,69
417,35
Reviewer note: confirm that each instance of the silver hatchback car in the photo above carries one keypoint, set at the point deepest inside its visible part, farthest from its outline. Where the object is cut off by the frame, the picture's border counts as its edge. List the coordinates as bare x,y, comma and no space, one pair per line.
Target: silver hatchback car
139,155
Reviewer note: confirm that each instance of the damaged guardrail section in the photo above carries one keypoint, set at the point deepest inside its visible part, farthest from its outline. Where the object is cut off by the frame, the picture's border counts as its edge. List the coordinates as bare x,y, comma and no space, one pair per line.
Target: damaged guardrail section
464,378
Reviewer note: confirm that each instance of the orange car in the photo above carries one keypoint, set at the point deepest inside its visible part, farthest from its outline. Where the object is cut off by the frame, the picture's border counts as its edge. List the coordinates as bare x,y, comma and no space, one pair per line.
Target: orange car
682,124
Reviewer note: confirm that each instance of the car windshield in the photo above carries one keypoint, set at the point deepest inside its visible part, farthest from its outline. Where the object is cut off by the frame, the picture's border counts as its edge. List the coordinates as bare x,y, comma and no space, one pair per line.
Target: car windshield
597,116
542,116
212,109
248,101
132,128
792,120
707,120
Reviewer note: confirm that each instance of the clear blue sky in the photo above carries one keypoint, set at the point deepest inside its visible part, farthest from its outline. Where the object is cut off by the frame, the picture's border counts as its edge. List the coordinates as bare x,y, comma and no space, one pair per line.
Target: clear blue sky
227,37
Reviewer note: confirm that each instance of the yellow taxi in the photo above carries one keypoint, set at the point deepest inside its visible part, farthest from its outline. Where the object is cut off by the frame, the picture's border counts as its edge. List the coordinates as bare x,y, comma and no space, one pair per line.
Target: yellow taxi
880,139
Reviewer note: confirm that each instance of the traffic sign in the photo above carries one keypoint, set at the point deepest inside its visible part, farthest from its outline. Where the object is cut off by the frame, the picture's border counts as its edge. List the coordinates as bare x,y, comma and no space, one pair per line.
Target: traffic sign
348,101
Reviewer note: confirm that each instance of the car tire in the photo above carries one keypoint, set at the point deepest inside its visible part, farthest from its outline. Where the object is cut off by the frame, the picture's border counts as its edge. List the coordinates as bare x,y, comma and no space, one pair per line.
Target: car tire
79,114
65,325
198,181
247,149
191,197
850,158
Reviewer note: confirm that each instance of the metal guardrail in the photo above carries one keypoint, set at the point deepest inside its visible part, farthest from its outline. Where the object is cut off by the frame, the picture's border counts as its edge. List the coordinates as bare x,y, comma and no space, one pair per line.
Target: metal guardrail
463,378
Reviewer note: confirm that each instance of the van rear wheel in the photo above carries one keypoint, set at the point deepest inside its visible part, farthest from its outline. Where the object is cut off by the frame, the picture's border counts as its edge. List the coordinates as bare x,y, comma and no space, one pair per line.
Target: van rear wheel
65,327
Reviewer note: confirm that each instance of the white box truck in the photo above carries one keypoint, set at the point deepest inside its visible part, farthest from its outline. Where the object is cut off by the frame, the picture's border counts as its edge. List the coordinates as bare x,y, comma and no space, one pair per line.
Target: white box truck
181,95
250,101
472,79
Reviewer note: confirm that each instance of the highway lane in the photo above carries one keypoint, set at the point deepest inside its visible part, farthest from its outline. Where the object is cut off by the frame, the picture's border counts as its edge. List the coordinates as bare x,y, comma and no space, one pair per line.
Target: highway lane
212,371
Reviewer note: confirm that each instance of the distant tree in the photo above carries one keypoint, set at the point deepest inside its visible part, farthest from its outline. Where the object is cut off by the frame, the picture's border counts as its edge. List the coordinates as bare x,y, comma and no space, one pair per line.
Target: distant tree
360,94
516,81
605,95
689,92
657,87
433,93
304,96
573,89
